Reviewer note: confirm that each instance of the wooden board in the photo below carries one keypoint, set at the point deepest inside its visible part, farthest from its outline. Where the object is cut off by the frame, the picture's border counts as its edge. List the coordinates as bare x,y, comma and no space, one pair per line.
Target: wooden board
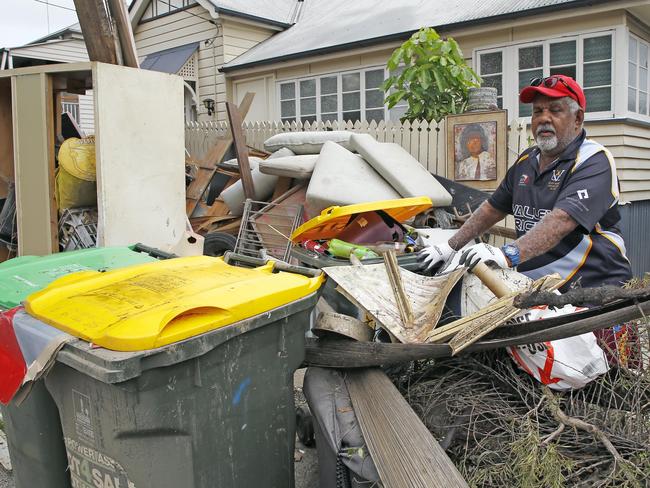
6,137
96,27
405,453
36,215
124,32
241,151
208,165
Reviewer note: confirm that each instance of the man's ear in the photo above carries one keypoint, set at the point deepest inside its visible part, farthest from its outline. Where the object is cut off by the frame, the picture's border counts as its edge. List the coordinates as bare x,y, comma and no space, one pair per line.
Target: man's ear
580,117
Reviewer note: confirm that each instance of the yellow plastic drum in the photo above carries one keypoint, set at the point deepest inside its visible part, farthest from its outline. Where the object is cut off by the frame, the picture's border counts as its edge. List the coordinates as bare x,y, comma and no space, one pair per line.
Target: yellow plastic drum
75,181
154,304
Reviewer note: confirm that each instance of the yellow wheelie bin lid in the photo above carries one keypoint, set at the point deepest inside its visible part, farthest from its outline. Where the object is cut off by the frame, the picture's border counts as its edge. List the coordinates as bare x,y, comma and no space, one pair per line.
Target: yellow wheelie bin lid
333,220
151,305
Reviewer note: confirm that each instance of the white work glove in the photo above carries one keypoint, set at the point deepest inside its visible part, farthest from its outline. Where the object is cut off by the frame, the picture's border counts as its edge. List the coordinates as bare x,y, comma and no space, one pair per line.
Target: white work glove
479,252
430,256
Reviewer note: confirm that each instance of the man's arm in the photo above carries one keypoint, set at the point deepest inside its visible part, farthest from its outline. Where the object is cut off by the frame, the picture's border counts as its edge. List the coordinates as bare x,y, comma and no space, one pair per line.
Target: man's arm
545,235
480,221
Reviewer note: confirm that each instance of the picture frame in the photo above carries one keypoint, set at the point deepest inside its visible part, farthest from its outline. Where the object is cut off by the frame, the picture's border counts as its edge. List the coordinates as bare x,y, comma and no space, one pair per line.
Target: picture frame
477,148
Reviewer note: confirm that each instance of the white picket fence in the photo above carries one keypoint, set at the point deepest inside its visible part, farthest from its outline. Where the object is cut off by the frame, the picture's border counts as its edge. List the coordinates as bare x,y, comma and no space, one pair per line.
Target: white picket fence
426,141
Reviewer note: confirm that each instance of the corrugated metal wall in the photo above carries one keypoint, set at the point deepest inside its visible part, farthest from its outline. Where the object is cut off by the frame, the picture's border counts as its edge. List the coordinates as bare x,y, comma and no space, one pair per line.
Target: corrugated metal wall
635,226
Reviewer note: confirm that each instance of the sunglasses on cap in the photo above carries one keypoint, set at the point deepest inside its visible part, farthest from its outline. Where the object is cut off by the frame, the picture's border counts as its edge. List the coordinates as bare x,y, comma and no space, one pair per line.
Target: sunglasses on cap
551,81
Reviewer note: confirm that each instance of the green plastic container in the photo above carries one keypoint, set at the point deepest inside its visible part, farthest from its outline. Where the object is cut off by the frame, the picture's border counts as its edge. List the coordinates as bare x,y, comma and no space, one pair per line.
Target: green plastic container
33,428
215,410
22,276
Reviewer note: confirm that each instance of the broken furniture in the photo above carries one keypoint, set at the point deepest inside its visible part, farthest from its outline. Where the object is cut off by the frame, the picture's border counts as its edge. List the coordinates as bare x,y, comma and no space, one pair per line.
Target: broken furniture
139,141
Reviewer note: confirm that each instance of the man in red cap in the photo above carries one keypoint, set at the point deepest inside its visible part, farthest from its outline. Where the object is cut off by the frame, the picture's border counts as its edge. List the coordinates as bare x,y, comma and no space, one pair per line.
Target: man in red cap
563,194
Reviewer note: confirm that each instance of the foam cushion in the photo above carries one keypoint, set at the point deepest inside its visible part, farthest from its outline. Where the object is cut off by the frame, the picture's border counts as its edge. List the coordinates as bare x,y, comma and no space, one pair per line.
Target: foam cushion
343,178
264,184
400,169
307,142
301,166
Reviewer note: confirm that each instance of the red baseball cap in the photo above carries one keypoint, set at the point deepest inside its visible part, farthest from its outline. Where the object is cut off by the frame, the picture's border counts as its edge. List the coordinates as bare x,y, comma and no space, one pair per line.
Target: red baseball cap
554,86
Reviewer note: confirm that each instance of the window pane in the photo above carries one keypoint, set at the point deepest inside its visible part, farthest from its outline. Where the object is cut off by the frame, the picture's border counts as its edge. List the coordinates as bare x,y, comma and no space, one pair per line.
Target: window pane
631,74
375,115
328,103
643,79
310,119
526,76
353,116
631,99
596,74
287,90
307,106
308,88
632,49
598,99
351,101
491,63
288,119
374,98
396,113
328,85
494,81
564,70
330,117
596,48
374,78
531,57
163,7
643,55
351,81
288,108
643,103
563,53
175,4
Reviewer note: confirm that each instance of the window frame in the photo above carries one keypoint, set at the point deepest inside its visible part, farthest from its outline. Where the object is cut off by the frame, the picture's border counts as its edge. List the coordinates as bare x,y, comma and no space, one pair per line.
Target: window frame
510,67
187,4
640,40
339,93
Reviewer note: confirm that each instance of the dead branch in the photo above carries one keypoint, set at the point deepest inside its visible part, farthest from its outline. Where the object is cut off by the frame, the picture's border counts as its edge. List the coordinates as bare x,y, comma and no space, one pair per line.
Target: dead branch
576,423
579,296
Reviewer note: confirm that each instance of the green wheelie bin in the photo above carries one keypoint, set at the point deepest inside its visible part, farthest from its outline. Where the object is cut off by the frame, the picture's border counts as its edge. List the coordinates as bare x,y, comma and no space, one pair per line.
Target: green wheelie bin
33,428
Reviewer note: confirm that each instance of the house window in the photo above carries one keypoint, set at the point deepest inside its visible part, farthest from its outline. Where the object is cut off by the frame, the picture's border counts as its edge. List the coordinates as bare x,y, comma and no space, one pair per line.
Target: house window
491,71
156,8
346,96
585,58
638,87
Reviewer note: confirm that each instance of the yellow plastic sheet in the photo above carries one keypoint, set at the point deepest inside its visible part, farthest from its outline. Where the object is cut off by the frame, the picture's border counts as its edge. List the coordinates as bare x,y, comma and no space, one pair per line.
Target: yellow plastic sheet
151,305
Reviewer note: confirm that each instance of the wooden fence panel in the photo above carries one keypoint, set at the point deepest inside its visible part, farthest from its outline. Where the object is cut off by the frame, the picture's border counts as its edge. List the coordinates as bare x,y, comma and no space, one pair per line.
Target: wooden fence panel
425,141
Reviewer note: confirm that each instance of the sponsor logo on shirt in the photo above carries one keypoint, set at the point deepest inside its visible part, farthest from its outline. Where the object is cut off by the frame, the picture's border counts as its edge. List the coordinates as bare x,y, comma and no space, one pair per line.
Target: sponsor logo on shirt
583,194
556,179
526,216
524,180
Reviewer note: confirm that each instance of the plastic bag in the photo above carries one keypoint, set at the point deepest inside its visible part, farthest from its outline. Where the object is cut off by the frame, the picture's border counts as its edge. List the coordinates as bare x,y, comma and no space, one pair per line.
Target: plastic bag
562,364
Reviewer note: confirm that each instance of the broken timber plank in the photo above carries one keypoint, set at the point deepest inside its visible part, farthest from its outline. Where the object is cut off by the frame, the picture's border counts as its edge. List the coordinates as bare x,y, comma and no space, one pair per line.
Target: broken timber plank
96,28
208,165
235,118
352,354
124,32
404,451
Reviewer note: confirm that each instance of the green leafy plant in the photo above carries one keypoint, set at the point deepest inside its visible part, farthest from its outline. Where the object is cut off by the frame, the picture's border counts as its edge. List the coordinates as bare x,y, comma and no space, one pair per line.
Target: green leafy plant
435,79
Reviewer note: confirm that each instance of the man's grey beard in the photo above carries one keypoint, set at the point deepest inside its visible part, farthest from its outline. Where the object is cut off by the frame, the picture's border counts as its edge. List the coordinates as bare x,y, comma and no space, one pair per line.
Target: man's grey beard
550,144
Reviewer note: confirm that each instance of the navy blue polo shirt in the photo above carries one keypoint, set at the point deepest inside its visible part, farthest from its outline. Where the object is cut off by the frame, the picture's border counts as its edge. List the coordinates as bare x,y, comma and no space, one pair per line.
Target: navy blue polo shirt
583,183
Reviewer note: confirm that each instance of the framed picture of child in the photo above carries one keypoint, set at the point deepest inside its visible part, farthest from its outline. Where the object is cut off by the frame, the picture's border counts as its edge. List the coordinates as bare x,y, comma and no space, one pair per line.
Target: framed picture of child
476,148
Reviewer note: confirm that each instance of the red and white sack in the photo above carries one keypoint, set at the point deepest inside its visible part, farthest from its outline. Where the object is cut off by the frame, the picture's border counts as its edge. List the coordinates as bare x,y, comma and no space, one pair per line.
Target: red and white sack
562,364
